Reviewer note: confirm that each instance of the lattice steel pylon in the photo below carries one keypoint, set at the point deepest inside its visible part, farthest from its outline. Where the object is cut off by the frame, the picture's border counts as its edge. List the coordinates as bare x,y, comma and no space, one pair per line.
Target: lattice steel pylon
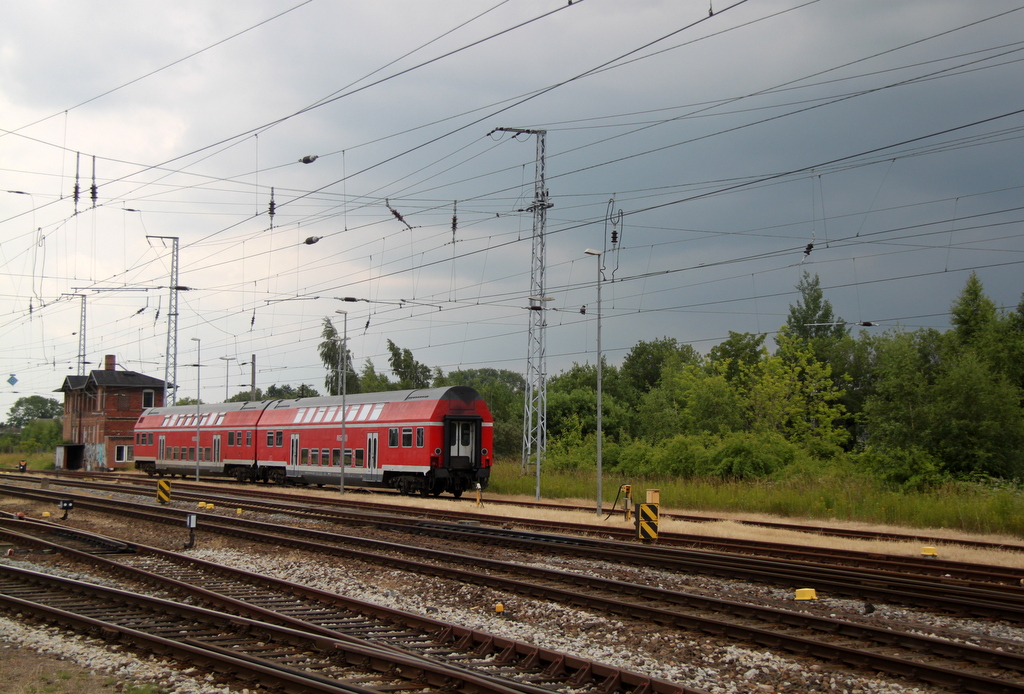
535,406
171,356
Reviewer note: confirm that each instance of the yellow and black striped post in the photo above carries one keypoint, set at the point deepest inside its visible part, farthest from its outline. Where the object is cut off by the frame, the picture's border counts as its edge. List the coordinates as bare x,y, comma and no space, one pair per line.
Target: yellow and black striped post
163,491
646,522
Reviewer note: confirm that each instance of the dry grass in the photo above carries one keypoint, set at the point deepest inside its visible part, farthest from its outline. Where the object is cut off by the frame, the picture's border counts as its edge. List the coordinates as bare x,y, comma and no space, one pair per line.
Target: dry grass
23,671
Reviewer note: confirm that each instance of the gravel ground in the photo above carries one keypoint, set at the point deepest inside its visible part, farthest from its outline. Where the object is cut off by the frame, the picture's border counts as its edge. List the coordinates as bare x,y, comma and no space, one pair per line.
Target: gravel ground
694,660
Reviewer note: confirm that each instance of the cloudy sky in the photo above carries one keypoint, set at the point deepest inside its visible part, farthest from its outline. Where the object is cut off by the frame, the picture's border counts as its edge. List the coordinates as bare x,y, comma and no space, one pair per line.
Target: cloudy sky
732,136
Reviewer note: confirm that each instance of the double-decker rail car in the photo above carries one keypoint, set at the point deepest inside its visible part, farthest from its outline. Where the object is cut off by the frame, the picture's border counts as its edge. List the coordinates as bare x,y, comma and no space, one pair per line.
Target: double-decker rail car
426,441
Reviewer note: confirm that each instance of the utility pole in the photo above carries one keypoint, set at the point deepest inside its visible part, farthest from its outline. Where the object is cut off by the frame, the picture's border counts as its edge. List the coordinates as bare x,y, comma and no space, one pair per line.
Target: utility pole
535,410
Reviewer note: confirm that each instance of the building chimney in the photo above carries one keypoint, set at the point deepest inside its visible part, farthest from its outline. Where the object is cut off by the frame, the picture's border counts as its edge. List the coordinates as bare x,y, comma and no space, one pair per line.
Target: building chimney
108,362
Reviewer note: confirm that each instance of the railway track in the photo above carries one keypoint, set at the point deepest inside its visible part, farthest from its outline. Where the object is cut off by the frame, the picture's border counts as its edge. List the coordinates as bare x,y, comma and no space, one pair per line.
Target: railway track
514,665
827,531
353,511
941,661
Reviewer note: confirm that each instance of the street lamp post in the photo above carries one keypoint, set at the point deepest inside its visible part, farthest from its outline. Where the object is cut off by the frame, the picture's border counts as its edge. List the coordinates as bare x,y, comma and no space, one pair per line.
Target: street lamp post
597,254
226,371
343,376
199,416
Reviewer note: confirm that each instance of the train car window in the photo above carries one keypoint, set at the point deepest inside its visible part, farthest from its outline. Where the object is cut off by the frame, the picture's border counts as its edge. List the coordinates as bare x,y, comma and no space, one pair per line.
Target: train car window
419,437
248,438
467,434
314,456
407,437
360,457
280,438
150,437
231,438
238,438
393,437
325,456
336,457
174,453
304,459
191,453
209,456
270,438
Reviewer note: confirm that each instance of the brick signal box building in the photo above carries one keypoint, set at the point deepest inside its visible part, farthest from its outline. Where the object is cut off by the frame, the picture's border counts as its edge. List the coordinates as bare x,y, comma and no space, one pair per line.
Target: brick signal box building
100,411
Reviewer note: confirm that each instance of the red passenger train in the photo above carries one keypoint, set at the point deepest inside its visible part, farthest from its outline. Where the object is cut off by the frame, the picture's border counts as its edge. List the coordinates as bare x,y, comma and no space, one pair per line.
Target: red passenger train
417,441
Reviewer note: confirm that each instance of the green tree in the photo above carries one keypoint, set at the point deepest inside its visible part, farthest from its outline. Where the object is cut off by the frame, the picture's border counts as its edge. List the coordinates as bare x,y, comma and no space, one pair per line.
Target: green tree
40,435
792,394
335,359
896,413
976,424
812,317
372,382
738,352
642,367
32,407
972,313
411,373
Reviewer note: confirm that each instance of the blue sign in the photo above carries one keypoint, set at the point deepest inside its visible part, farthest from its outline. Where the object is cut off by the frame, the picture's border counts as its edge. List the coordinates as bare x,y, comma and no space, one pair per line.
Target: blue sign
12,380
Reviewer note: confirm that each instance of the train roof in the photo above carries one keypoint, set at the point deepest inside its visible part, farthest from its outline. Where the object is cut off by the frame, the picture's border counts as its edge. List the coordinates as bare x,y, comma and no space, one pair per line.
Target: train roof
462,393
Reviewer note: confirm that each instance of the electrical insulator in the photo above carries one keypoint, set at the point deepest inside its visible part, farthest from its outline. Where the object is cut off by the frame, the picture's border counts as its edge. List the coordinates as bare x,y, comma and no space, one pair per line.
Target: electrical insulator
583,309
615,235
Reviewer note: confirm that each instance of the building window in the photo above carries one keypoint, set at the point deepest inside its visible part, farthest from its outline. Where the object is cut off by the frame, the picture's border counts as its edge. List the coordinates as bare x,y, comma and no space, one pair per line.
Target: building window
393,438
148,399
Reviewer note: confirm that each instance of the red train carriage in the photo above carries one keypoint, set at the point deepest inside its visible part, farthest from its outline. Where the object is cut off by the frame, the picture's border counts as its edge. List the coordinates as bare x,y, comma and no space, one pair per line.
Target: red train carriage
417,441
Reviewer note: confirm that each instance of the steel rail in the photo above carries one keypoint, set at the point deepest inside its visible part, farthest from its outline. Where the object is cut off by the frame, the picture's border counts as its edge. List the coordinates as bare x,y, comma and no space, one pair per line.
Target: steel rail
583,674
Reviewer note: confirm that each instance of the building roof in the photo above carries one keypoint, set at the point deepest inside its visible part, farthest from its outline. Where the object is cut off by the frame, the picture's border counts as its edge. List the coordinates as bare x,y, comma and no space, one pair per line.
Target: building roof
109,378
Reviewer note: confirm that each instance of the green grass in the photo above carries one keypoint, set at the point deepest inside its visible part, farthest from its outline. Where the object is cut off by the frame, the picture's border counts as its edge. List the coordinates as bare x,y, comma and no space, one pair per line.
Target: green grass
810,495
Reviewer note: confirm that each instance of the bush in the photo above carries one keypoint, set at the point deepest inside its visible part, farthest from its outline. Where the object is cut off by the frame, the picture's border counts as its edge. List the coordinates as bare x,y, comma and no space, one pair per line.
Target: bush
910,469
745,456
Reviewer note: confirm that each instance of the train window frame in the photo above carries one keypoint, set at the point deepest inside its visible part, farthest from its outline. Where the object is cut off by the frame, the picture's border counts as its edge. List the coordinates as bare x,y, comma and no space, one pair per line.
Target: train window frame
314,456
231,438
406,437
248,438
303,456
279,438
335,457
325,456
270,439
419,437
360,459
393,437
238,438
191,452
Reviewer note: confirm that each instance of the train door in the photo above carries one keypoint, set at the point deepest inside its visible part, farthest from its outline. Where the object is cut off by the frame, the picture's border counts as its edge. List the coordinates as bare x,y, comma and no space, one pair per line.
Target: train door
216,448
372,468
294,457
462,444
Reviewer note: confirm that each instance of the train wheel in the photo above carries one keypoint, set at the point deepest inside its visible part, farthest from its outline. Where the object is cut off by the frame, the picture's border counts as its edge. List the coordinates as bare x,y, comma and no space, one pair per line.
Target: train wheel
277,476
457,493
240,474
